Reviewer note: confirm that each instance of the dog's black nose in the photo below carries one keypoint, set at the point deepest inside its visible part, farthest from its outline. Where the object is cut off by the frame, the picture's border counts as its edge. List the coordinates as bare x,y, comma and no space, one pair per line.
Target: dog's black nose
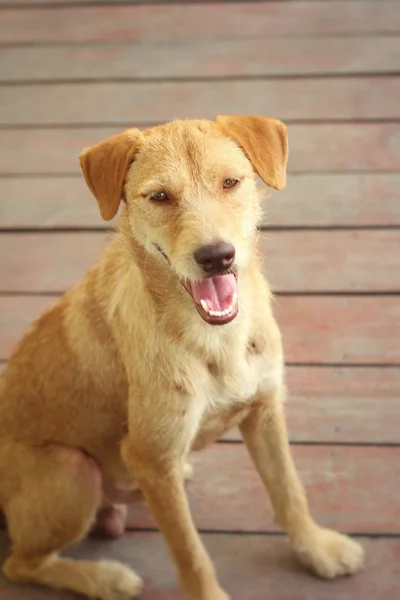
215,258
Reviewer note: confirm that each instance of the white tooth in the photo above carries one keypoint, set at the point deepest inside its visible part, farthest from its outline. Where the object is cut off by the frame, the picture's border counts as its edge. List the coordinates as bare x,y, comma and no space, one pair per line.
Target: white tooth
205,306
234,299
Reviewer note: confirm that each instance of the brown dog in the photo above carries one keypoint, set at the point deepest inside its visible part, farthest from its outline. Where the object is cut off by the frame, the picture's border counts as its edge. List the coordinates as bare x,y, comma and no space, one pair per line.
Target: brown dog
167,342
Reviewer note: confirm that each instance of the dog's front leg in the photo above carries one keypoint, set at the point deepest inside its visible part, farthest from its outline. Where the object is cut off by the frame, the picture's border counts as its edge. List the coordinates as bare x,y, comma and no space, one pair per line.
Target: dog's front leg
154,451
326,552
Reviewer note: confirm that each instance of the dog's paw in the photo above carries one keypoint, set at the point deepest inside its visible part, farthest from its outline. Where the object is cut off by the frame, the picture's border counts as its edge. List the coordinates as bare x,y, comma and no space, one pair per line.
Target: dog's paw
330,554
117,582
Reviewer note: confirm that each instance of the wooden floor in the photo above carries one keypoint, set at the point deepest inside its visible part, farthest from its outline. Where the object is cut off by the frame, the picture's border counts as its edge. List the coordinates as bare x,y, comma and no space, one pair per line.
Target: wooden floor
75,71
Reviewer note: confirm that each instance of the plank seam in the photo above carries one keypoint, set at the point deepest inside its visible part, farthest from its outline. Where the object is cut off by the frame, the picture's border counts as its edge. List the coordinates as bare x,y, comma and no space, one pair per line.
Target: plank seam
264,532
61,126
55,229
201,79
326,365
322,443
350,34
76,174
277,293
334,293
349,365
32,230
112,3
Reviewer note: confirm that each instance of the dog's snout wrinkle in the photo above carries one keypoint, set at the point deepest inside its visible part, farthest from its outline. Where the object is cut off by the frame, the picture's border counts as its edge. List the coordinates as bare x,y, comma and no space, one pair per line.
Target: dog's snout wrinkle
215,258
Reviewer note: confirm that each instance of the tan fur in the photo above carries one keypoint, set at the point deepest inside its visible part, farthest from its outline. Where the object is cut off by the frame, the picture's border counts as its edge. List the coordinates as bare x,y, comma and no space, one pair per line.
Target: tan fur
114,385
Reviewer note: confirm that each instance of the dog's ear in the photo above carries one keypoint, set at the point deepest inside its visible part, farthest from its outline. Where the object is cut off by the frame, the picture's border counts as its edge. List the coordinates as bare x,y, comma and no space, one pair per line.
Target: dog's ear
265,143
105,166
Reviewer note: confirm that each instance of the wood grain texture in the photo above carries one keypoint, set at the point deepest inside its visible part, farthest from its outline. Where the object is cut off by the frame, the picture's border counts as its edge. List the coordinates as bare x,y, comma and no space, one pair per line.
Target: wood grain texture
210,58
48,202
339,261
310,200
227,494
155,23
293,261
317,330
289,99
294,60
16,315
340,329
341,405
314,148
47,262
249,567
340,199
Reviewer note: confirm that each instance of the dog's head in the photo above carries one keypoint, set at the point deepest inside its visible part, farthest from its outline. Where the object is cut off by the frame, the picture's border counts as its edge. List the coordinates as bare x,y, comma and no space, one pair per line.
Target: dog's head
191,196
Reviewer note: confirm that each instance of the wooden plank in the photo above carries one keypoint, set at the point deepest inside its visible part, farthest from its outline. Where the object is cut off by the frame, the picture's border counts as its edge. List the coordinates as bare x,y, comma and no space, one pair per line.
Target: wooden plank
226,487
311,200
335,199
51,202
341,405
155,22
247,566
314,261
211,58
47,262
126,103
350,405
327,148
294,261
53,151
340,329
362,404
317,330
16,315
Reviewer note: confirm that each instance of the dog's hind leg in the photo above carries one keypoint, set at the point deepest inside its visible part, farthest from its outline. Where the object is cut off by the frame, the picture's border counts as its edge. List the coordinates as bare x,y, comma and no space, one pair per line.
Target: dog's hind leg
50,498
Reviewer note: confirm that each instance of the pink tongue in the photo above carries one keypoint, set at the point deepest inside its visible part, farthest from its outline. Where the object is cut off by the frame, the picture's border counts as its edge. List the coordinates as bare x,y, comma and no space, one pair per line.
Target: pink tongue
216,291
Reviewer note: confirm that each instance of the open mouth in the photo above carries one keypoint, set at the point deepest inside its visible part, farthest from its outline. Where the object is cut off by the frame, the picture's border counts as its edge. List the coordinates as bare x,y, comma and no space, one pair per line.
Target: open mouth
216,298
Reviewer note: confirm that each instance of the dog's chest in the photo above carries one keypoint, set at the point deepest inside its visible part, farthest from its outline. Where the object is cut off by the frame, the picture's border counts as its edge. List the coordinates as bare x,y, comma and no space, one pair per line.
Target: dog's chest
231,392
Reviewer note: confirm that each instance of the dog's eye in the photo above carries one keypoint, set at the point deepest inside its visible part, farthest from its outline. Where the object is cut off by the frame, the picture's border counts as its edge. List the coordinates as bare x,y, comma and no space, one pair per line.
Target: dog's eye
159,197
229,183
